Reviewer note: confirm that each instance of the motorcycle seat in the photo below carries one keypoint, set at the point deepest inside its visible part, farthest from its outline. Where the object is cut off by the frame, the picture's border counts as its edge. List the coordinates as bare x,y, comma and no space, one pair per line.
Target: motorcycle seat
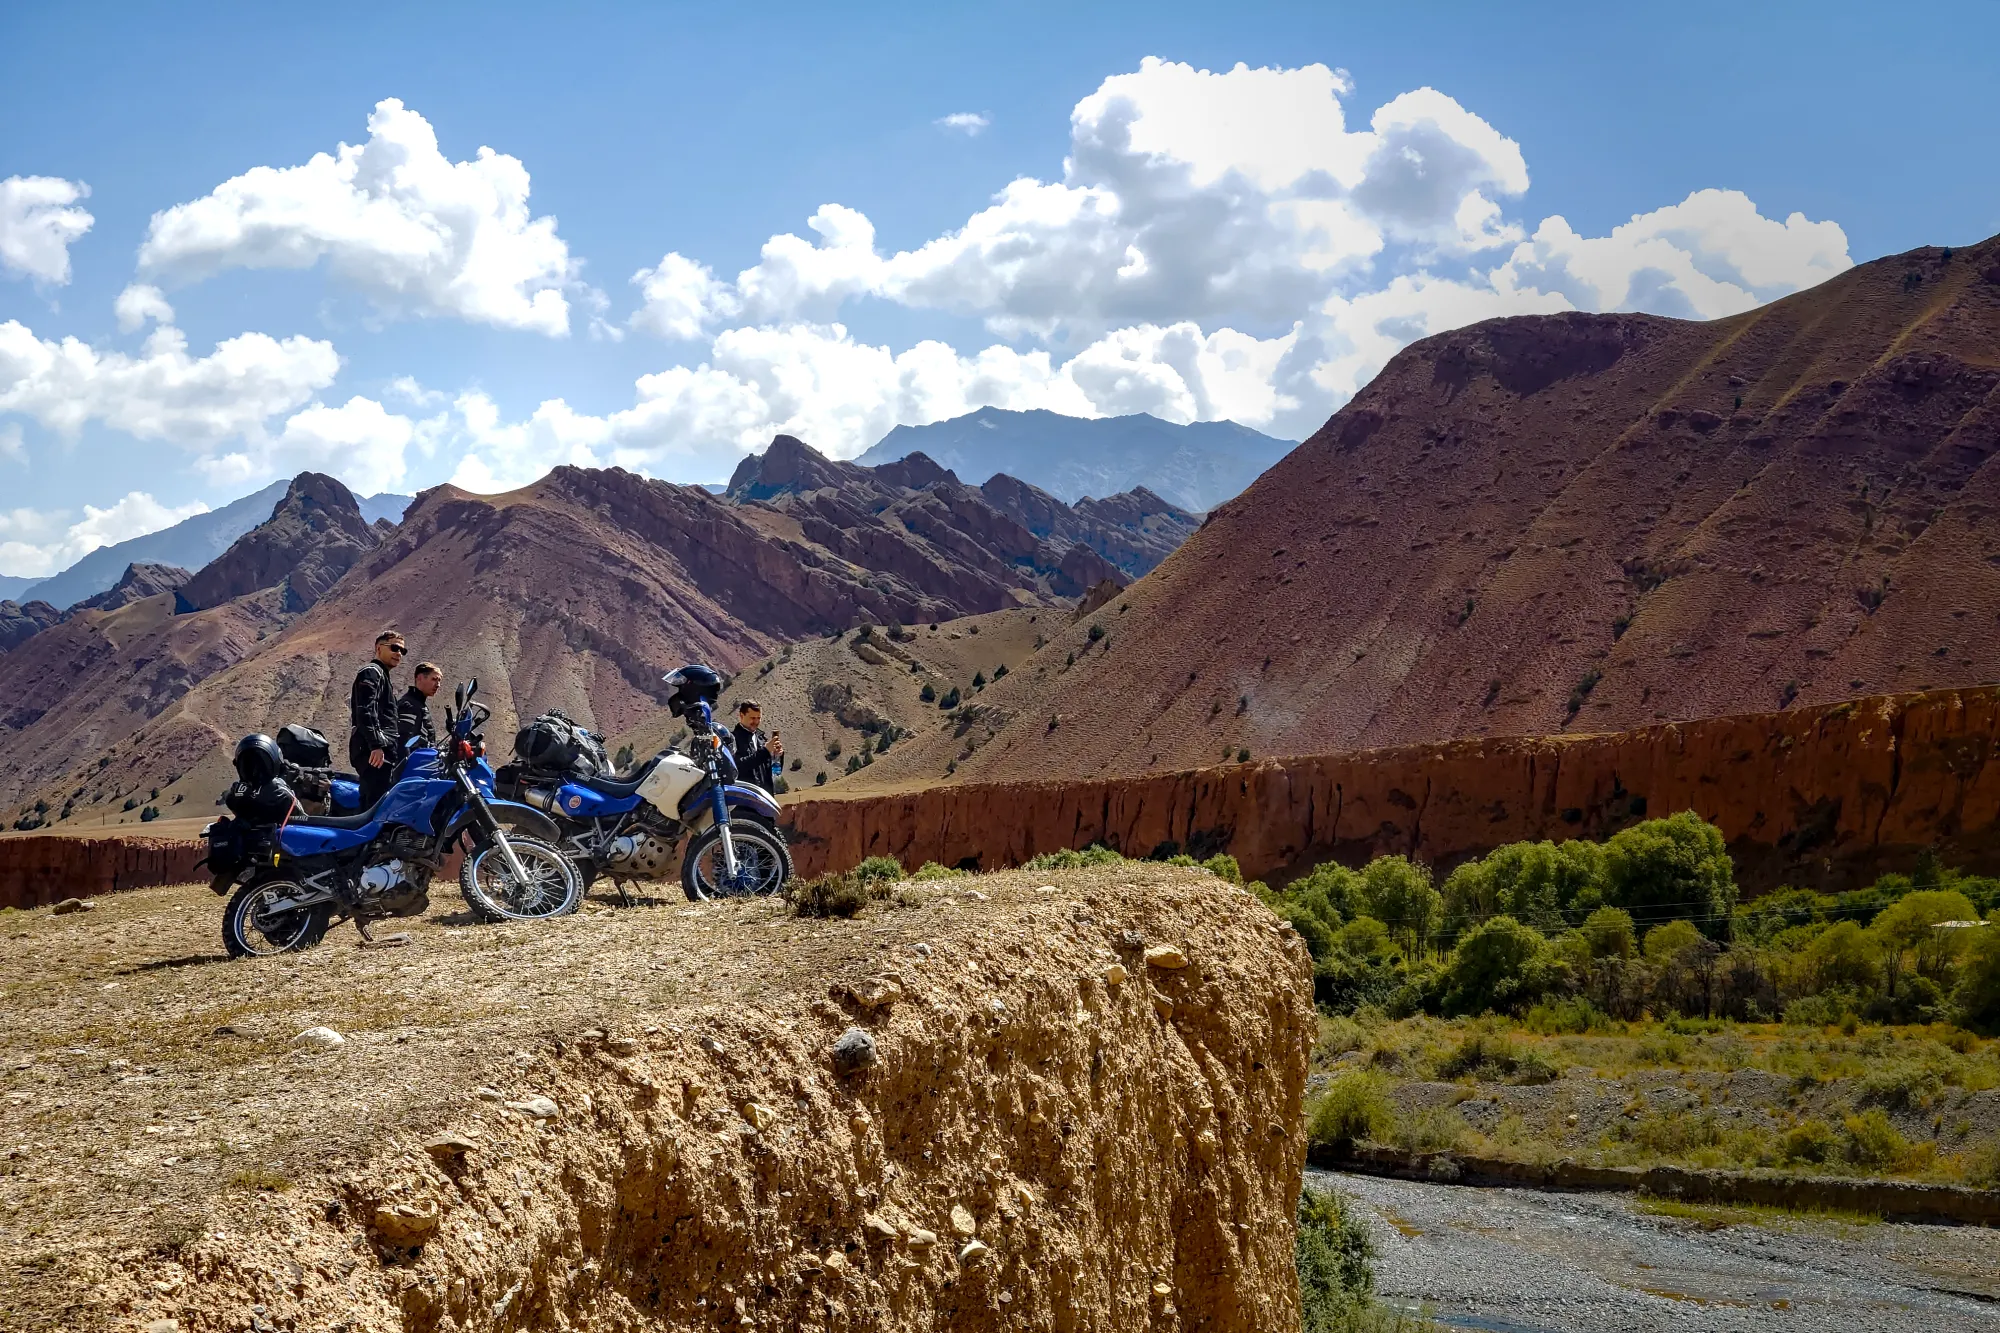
617,790
362,820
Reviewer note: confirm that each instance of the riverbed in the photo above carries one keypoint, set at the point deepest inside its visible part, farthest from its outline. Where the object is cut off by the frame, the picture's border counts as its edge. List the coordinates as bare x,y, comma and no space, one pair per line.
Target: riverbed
1524,1261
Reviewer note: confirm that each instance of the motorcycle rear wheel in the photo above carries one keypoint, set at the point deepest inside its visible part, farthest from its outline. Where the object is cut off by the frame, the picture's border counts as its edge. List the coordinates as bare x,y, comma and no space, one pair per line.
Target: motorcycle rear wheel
553,888
762,859
248,932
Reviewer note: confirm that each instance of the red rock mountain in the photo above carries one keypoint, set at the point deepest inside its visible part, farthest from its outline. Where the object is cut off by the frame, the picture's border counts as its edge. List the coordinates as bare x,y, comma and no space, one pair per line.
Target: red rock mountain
577,592
138,581
1565,523
315,534
19,623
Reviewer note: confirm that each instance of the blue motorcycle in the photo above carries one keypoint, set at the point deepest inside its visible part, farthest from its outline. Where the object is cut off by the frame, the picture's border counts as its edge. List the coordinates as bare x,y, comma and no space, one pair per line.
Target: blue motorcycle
630,827
299,873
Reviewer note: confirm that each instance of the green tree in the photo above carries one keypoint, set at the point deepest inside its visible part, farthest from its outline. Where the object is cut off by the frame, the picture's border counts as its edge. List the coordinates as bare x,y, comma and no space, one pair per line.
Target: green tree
950,700
1666,942
1908,928
927,693
1608,931
1494,967
1398,892
1673,867
979,680
1979,978
1547,884
1841,957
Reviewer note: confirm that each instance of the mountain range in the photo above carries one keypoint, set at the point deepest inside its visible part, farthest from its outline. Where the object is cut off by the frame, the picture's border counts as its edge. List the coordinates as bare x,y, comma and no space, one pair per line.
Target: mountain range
1557,523
576,592
189,544
1195,466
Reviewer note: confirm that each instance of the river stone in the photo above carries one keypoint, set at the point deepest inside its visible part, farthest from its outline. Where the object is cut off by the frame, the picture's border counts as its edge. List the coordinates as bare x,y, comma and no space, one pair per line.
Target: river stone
68,905
1168,956
319,1038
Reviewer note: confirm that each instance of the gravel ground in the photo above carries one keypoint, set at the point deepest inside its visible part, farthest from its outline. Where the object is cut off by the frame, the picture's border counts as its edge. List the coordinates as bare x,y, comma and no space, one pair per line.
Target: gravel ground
1521,1261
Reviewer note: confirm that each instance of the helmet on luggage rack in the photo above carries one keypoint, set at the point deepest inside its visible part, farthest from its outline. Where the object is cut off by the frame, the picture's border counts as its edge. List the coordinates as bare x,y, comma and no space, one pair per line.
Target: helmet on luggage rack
258,760
689,685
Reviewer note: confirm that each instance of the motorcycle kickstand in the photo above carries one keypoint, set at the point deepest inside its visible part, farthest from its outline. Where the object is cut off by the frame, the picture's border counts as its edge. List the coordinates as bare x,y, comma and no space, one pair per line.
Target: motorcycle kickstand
624,898
368,940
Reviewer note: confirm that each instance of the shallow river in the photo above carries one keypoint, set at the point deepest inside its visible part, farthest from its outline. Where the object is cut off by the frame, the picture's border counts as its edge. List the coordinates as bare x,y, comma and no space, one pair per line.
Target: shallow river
1521,1261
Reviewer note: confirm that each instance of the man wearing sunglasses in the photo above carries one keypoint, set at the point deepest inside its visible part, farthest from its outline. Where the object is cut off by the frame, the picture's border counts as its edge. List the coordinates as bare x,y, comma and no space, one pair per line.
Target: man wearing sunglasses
372,749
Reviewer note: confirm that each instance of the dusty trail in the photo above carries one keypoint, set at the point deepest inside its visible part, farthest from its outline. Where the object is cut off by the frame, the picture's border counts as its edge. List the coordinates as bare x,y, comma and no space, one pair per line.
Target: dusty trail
1519,1261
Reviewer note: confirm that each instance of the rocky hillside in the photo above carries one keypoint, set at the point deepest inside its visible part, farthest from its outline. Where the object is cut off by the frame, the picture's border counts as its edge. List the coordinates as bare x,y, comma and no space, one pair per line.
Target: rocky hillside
315,534
577,593
912,511
139,581
1568,523
96,675
1023,1107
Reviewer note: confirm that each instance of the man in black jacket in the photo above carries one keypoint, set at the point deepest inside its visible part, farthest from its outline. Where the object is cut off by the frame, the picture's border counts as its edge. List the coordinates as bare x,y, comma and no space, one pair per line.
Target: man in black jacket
413,712
371,707
756,757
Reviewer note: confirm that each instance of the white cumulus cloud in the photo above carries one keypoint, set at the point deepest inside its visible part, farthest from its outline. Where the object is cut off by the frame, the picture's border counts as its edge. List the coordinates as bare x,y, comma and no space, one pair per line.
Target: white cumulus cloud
34,543
139,303
38,220
411,230
968,123
1225,244
165,393
361,442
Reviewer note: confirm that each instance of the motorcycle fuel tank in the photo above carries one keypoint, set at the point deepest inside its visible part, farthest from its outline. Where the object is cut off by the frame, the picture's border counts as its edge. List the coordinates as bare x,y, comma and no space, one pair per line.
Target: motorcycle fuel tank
672,778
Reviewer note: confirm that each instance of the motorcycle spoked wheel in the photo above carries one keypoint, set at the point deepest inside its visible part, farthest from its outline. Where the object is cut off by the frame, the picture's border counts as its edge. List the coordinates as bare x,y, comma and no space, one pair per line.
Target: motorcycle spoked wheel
763,863
553,887
251,930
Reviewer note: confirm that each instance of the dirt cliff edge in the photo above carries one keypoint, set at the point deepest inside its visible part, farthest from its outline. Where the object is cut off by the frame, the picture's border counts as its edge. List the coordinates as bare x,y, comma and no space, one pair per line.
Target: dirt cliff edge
637,1121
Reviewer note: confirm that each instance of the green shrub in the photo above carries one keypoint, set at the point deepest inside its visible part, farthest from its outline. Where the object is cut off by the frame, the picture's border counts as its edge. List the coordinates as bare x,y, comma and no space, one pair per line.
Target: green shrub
1333,1250
1094,855
1572,1017
928,693
1809,1141
1355,1105
933,870
877,869
1872,1140
1223,866
827,896
1433,1129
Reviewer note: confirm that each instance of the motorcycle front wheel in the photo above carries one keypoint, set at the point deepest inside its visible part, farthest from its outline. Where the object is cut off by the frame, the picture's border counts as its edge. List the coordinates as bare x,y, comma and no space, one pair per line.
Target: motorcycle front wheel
552,886
763,863
251,929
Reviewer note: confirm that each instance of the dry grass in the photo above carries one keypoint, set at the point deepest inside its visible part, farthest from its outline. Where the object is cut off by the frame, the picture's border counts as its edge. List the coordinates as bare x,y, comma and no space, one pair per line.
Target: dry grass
151,1088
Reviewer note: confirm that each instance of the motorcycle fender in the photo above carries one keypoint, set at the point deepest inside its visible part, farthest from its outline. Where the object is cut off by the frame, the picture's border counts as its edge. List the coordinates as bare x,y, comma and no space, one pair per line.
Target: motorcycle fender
746,801
517,818
222,883
750,799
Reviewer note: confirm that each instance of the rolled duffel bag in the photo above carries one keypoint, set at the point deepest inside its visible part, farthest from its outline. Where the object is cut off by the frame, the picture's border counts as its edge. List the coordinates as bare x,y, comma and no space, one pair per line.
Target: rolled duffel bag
548,744
305,747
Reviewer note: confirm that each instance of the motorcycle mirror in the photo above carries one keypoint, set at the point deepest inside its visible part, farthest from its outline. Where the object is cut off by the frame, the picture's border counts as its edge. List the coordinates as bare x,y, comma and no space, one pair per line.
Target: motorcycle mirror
472,687
458,696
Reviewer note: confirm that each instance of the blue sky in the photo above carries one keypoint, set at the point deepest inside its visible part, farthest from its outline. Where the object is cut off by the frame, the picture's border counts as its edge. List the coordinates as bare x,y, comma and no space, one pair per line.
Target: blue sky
1284,261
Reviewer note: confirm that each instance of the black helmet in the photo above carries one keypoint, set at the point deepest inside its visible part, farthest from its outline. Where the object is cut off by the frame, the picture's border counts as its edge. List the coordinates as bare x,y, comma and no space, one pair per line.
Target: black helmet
258,759
689,684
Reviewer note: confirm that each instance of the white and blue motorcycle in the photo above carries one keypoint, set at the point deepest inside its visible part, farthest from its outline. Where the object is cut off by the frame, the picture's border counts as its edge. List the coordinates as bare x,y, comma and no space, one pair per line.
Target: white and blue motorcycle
628,828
